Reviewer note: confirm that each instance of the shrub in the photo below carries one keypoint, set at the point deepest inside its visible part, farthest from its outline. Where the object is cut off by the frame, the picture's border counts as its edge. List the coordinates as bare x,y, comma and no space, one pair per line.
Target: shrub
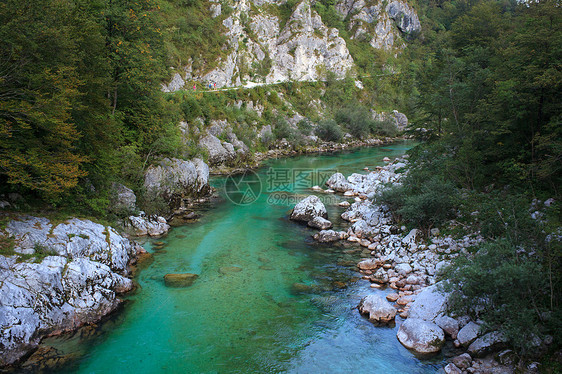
393,198
282,129
357,119
305,126
507,286
386,127
432,205
328,130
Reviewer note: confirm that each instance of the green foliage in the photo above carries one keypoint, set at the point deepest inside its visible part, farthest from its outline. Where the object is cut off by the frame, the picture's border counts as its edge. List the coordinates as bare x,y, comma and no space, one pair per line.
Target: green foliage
356,119
490,91
79,90
191,34
510,287
328,130
430,205
423,201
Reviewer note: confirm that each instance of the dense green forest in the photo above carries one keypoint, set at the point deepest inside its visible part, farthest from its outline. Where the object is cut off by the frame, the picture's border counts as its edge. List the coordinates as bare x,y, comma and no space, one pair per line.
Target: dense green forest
489,80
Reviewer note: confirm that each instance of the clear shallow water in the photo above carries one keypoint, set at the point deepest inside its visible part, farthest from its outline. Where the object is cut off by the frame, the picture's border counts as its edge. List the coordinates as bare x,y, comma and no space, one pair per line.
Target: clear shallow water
289,308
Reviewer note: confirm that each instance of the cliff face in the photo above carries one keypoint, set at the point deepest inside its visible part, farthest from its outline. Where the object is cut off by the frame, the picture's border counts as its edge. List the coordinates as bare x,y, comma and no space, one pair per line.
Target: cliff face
78,270
264,48
383,26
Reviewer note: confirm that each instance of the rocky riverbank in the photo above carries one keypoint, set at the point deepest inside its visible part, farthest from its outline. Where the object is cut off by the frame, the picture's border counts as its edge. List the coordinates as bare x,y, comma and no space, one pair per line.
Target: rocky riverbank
58,276
408,263
283,148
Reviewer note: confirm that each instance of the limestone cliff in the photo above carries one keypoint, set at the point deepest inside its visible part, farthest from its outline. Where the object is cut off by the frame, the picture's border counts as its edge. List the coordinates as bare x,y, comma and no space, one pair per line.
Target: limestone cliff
76,270
382,25
264,48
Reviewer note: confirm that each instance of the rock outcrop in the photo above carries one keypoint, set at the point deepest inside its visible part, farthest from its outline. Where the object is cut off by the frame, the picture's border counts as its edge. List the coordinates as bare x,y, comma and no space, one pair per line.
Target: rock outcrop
123,199
219,152
175,180
391,22
143,225
261,49
76,270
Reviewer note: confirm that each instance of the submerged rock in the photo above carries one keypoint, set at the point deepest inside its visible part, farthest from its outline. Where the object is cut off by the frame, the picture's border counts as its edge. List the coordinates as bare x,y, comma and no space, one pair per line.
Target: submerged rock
300,288
180,280
308,209
421,336
230,269
369,264
327,236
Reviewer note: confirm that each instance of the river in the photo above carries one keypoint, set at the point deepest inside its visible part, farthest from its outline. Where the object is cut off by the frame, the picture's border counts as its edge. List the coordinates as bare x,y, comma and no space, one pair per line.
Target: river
268,298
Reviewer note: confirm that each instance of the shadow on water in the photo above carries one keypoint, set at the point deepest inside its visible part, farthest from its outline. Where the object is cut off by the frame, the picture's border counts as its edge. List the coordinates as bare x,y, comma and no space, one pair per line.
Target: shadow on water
268,298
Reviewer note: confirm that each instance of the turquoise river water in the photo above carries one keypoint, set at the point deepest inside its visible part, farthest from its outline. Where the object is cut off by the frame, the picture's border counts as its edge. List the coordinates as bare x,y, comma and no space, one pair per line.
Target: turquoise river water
268,299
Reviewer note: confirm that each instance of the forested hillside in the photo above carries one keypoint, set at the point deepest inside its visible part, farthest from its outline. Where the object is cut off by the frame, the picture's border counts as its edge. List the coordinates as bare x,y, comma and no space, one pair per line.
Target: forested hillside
489,80
81,100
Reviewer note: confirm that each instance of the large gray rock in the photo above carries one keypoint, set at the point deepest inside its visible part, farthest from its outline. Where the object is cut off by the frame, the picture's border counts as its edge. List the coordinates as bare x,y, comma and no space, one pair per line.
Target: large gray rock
219,153
123,199
449,325
400,120
488,343
429,304
309,208
174,180
338,182
377,309
468,333
73,238
421,336
77,284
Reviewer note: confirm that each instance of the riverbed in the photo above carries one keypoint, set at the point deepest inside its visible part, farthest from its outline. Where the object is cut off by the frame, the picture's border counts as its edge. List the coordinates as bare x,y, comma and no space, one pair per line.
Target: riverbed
268,298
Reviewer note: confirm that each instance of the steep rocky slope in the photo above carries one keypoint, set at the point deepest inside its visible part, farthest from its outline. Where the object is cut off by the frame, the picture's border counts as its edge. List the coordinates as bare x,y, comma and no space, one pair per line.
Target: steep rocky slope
262,47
